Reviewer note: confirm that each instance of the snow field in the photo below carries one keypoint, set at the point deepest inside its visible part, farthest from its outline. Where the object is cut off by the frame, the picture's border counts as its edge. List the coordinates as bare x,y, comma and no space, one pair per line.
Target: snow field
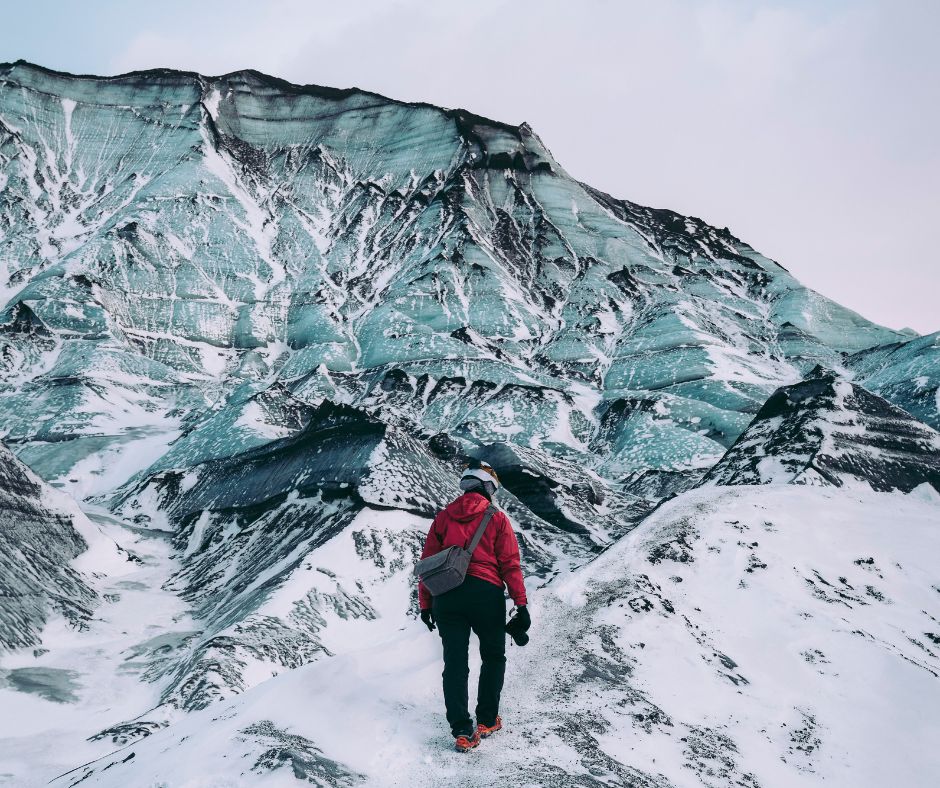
782,661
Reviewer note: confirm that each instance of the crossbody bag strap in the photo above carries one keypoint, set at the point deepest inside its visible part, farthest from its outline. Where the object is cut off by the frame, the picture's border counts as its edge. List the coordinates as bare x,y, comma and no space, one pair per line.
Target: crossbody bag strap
490,511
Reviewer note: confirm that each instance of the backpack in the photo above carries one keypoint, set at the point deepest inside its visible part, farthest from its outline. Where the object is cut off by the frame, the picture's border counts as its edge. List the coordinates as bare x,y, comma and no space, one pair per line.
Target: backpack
447,569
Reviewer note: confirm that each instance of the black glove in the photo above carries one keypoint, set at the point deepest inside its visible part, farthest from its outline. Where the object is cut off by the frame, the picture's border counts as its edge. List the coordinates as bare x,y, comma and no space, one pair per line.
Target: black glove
518,625
428,618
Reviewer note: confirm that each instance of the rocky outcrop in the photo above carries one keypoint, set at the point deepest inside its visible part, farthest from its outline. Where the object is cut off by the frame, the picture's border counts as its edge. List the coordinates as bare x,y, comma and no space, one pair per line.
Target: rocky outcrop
827,430
38,540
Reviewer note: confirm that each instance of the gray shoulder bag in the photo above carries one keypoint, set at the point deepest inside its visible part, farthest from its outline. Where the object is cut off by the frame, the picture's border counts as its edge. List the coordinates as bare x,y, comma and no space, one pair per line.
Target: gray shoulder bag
447,569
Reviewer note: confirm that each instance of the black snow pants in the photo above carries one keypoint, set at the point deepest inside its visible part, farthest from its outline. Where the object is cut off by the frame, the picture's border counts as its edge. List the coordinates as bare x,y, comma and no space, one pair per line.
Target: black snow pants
480,606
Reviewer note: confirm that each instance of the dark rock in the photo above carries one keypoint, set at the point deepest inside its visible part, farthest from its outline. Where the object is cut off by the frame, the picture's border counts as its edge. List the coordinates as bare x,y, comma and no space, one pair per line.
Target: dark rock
826,430
37,542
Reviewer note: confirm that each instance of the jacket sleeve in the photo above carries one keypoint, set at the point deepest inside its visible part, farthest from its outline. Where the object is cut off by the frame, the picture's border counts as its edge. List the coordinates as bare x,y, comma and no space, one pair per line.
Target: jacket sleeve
507,558
432,545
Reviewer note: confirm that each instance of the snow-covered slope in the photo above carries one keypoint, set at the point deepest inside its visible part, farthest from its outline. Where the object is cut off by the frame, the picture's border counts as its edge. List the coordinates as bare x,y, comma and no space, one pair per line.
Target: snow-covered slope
86,687
754,636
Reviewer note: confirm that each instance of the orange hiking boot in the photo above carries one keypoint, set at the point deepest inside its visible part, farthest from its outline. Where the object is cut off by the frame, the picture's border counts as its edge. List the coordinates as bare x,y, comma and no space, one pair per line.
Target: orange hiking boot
466,743
483,730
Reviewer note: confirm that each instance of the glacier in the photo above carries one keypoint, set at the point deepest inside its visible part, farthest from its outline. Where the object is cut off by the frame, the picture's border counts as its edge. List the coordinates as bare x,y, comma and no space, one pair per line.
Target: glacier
248,332
183,243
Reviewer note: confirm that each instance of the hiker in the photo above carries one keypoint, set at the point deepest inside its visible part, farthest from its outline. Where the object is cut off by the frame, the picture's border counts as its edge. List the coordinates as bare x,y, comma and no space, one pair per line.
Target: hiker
477,603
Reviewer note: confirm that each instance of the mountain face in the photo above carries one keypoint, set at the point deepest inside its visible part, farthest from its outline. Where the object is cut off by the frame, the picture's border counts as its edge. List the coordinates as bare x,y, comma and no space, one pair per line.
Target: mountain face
173,245
255,329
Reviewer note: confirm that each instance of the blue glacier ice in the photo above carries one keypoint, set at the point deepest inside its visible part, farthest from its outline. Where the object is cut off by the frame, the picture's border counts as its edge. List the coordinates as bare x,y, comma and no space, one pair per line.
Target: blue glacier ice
170,239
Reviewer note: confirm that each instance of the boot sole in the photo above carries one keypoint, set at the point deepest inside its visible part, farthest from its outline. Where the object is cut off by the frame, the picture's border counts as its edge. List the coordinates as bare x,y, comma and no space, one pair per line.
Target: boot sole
471,744
467,749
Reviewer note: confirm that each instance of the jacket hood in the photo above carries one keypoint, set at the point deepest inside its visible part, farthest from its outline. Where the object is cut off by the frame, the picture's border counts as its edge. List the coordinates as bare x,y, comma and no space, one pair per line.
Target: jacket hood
467,507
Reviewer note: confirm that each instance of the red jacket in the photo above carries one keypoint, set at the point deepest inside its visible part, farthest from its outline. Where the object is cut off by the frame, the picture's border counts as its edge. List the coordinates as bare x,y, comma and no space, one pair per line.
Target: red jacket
496,558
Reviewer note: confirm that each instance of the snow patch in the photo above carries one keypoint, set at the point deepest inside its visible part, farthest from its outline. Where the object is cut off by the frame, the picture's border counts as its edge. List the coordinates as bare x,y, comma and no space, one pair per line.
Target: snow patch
211,103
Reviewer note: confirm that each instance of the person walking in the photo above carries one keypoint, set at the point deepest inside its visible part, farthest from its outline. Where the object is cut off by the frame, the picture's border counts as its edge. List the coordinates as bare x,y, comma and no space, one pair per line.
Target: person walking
478,604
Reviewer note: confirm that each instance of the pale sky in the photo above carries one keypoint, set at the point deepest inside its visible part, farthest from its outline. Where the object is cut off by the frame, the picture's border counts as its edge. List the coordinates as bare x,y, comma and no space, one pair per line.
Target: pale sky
810,128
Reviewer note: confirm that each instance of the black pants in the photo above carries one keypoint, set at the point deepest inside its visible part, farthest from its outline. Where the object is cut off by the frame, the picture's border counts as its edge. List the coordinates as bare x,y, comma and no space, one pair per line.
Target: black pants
479,606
